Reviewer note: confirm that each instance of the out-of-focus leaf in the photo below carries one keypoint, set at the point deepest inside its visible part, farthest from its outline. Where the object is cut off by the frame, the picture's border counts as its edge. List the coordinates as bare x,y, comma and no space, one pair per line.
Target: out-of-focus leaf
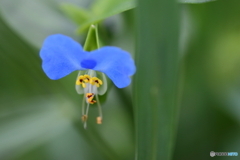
42,17
35,20
77,14
110,7
195,1
21,74
103,9
156,80
33,124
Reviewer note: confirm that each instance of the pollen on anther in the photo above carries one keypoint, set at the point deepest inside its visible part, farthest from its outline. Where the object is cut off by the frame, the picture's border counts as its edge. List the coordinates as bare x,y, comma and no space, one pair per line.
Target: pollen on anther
80,81
89,95
91,101
86,78
96,81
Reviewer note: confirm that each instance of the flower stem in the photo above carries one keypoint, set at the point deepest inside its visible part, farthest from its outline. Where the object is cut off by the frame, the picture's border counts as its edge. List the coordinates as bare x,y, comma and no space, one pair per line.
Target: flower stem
92,40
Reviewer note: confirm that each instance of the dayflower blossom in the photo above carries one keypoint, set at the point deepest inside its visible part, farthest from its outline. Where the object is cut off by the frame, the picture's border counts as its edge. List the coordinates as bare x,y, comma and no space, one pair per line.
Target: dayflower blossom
61,55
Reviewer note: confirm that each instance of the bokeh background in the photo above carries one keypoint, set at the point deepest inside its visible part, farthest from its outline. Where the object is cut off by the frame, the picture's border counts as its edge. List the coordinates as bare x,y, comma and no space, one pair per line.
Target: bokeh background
41,118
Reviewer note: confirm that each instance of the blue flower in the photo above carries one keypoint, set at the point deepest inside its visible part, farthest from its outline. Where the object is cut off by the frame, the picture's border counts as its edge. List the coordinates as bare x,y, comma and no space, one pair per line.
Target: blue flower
61,55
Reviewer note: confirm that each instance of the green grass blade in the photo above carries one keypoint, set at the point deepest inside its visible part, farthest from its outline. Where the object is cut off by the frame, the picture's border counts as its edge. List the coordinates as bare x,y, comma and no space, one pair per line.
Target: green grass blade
156,80
195,1
102,9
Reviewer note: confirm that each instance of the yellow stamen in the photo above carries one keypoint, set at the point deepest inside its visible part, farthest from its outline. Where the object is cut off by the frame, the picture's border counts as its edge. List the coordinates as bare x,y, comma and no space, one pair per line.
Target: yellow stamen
96,81
86,78
88,95
100,81
80,81
90,98
91,101
84,118
83,85
99,120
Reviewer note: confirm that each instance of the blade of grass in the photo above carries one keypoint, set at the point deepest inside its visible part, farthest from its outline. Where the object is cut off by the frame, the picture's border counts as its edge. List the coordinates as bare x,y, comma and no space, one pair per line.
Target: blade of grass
195,1
156,80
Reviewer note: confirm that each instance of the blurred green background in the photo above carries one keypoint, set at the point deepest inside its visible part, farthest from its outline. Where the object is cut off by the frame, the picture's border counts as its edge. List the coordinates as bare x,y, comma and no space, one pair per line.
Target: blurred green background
41,119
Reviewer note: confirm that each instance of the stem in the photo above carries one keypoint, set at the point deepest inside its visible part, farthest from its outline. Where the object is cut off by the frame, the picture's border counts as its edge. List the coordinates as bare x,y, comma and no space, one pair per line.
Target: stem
99,107
85,123
83,104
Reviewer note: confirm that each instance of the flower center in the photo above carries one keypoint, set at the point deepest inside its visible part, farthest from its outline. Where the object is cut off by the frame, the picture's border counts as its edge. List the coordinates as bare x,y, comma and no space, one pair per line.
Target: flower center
90,84
88,63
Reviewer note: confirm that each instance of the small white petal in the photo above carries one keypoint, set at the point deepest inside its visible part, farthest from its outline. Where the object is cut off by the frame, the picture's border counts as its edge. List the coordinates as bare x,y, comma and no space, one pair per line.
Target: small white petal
102,88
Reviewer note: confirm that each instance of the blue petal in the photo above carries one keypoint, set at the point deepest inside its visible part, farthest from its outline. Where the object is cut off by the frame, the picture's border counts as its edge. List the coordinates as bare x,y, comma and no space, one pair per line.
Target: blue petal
117,64
61,55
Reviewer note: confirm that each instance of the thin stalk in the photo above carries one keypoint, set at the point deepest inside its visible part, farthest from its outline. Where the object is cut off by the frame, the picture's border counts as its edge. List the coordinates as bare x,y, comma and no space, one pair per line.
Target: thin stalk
99,107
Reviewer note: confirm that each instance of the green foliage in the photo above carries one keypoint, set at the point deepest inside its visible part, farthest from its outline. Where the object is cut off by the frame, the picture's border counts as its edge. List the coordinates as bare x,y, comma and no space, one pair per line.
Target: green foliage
100,10
195,1
155,83
35,20
77,14
40,118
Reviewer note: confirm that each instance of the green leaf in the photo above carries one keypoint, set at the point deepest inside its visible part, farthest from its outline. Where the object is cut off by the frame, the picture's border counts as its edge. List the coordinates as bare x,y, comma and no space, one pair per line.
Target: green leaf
103,9
110,7
195,1
35,122
35,20
77,14
156,81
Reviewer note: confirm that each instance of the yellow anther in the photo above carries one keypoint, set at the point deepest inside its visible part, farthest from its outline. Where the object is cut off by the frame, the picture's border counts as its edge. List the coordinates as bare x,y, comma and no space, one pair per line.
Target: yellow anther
96,81
91,101
80,81
89,95
83,85
86,78
84,118
100,81
99,120
90,98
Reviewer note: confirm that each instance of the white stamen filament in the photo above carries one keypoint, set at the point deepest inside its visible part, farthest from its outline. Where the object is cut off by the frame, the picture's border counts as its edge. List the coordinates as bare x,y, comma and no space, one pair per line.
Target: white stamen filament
83,105
99,107
85,122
